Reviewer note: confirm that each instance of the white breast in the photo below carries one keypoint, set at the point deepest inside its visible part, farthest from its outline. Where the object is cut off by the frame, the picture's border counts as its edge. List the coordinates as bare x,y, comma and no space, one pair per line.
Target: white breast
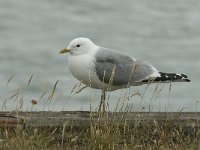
79,66
82,68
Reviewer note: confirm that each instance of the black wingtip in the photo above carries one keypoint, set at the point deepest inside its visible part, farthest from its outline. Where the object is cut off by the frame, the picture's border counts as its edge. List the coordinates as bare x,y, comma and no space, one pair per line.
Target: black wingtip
170,77
174,77
184,76
187,80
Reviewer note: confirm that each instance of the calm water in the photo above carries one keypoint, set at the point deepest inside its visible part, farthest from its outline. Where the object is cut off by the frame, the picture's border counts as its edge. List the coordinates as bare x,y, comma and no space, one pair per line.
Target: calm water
165,33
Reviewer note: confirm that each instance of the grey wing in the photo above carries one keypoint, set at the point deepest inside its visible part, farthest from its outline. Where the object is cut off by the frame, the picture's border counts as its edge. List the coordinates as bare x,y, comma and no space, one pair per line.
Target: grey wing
118,69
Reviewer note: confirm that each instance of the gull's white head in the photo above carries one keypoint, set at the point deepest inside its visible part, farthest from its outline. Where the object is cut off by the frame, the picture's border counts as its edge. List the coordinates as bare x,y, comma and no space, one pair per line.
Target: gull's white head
79,46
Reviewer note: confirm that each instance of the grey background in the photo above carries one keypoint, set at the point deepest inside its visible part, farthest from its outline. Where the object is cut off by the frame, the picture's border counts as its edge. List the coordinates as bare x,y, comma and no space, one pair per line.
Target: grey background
165,33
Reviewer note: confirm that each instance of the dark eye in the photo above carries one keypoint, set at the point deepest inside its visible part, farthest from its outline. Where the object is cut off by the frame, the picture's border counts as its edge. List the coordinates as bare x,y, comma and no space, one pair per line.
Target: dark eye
78,45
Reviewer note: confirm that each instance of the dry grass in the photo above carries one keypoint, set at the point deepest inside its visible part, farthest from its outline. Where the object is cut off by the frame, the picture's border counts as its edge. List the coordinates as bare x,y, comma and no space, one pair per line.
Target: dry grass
100,133
104,135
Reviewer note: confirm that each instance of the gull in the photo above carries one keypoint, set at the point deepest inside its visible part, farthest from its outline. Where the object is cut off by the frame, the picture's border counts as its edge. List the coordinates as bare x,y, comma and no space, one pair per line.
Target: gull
107,69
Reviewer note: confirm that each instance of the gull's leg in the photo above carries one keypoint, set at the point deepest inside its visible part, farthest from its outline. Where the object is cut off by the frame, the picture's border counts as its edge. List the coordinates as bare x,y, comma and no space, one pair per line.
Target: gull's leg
104,100
102,106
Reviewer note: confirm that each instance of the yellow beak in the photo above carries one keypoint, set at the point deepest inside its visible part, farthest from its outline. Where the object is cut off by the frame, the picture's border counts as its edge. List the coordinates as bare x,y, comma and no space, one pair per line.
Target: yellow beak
65,50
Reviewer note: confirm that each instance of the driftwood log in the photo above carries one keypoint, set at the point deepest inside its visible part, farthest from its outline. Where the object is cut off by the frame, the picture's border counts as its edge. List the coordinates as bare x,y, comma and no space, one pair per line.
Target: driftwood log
82,118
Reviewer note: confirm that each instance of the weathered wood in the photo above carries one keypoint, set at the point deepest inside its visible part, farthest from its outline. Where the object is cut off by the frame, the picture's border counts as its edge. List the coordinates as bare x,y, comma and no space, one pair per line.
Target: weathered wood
79,118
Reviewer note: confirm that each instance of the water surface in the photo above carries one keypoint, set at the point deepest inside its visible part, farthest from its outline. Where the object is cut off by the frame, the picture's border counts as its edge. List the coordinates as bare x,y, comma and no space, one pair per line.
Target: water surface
164,33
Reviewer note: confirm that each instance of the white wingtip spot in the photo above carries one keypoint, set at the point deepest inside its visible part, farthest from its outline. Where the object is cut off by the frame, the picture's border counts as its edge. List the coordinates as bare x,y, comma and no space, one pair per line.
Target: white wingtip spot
178,74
